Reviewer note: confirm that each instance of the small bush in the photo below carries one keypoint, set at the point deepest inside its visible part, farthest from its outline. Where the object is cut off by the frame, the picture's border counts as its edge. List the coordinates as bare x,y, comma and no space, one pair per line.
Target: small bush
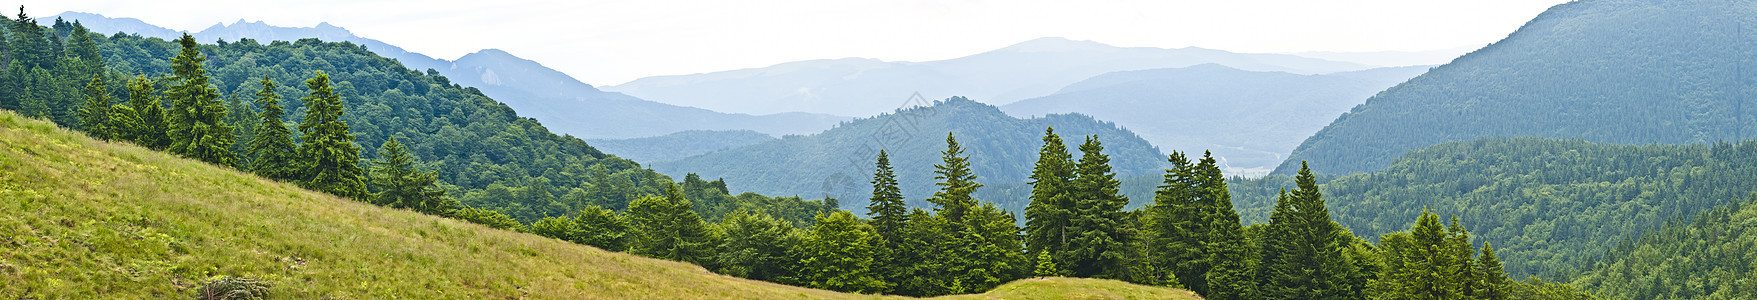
234,288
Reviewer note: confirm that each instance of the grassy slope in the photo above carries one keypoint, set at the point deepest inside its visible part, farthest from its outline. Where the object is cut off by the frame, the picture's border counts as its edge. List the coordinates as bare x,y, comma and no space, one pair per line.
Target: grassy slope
87,219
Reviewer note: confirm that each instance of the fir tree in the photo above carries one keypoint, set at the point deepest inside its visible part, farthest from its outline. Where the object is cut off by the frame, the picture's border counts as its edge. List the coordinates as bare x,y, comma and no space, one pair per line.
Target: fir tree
887,208
957,183
330,161
1098,245
242,117
403,186
1051,206
668,228
1231,274
1493,284
271,151
94,117
1179,227
1302,250
150,131
198,129
839,255
1046,265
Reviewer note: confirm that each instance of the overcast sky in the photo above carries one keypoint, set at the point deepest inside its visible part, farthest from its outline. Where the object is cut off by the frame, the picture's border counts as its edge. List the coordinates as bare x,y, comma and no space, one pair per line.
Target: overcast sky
611,42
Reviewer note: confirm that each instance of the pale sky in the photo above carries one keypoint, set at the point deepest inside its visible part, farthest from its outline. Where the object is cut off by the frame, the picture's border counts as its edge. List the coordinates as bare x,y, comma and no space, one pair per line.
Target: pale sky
612,42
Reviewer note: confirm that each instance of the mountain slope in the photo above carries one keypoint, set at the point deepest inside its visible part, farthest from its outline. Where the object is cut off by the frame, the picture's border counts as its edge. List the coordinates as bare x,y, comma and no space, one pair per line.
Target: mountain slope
679,145
839,162
864,87
1614,71
1251,120
565,104
1715,253
91,219
1550,207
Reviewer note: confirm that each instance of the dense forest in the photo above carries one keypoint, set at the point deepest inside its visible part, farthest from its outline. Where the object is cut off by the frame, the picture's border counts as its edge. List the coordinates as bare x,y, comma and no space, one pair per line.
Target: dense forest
1552,207
678,145
1710,256
1608,71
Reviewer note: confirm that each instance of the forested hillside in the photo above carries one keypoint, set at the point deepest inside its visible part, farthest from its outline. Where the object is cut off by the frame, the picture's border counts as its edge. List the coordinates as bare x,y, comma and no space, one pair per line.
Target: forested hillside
834,162
1710,256
1551,207
1609,71
1251,120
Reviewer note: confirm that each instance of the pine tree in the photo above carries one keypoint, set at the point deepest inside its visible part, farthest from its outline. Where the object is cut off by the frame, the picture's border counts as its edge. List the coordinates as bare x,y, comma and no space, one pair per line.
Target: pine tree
271,151
1302,250
668,228
957,183
242,117
887,208
1097,246
1048,215
198,129
403,186
839,255
1231,276
1421,262
330,161
94,117
1046,265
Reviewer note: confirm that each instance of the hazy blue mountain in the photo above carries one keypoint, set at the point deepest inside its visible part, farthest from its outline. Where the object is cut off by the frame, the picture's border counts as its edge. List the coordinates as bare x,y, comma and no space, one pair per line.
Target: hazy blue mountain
678,145
562,103
1612,71
1392,58
863,87
1251,120
839,162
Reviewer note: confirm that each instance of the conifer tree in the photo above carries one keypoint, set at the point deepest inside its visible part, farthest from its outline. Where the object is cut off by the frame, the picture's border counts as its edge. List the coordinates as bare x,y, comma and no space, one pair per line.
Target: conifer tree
1048,215
1493,284
1179,227
990,250
330,161
403,186
271,151
1421,262
887,208
1302,250
1046,265
94,117
242,117
668,228
198,129
1231,274
839,255
957,183
1098,245
144,101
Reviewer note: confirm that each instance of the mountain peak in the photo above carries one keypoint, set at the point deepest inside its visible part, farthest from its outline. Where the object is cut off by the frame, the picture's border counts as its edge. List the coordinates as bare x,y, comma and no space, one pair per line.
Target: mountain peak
1055,44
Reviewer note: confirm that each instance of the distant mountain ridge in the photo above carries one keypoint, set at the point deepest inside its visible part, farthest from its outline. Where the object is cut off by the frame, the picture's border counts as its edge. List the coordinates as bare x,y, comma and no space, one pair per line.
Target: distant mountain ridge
1608,71
561,102
863,87
1250,120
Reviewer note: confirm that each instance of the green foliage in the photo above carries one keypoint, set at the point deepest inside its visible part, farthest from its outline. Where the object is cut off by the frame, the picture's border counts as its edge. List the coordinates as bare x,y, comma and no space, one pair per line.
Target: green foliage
886,207
330,162
145,119
492,219
401,185
762,247
1606,71
94,116
839,256
602,228
956,183
1098,245
676,145
1303,253
1046,265
1050,213
667,228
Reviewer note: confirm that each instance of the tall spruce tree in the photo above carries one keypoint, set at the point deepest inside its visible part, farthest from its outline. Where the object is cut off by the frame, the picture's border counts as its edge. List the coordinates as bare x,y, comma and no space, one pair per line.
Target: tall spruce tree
271,151
957,183
330,161
887,208
147,108
668,228
1493,284
1231,274
197,120
242,117
94,117
1179,227
1422,263
401,185
1302,251
1051,208
1098,245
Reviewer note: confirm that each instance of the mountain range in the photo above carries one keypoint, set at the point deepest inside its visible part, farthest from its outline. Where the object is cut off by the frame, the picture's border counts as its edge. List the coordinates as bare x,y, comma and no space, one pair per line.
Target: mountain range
1249,119
562,103
864,87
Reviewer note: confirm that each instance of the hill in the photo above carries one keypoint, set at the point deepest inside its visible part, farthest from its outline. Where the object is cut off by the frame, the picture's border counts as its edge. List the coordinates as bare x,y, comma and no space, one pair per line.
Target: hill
864,87
1550,207
1711,253
563,103
1251,120
839,161
1610,71
679,145
91,219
